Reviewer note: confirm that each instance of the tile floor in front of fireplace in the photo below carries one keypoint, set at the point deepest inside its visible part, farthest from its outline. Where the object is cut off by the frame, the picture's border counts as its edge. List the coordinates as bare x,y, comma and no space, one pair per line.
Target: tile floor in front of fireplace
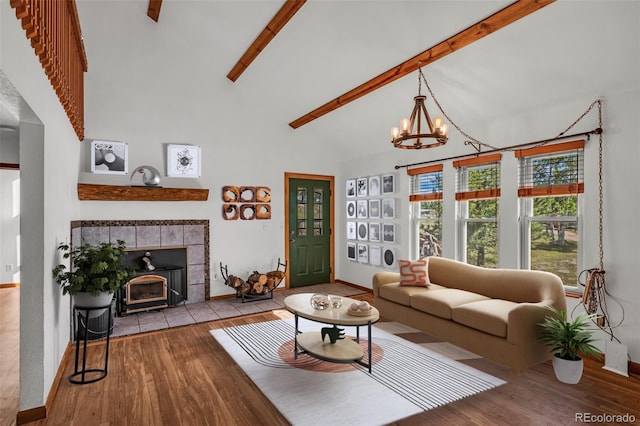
211,310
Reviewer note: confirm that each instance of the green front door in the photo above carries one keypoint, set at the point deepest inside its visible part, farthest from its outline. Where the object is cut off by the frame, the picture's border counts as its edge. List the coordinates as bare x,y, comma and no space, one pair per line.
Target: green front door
309,232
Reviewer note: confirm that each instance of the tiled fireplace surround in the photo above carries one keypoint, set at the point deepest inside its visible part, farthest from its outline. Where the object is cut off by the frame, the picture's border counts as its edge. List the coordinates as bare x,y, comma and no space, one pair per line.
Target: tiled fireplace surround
137,234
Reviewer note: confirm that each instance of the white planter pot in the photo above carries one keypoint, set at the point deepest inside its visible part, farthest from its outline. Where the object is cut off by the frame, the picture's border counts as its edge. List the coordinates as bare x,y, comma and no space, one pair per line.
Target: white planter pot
87,300
567,371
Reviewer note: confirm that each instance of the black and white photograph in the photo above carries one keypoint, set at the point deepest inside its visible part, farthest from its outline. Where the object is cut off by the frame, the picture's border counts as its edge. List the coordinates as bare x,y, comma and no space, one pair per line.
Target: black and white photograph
351,188
389,257
109,157
375,255
363,253
389,208
363,231
374,232
351,251
363,209
351,209
183,161
362,187
389,232
351,231
374,209
388,184
374,185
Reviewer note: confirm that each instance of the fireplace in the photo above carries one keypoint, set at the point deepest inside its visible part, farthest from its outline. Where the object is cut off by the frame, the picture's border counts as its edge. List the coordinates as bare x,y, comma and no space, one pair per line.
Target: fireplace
144,292
159,280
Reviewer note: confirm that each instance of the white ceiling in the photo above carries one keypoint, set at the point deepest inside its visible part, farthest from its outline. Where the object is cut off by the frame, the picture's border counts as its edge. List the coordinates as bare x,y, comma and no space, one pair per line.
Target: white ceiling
566,50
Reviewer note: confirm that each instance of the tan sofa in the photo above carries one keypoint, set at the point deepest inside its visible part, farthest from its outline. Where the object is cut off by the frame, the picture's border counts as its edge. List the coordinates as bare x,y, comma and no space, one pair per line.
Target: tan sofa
491,312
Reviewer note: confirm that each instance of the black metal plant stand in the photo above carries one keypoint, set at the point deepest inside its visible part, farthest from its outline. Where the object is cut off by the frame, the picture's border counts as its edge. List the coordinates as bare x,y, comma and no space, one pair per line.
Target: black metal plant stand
79,376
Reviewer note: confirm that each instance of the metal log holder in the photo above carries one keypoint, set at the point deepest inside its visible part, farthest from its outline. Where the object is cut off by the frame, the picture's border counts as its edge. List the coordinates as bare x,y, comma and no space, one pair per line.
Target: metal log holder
246,297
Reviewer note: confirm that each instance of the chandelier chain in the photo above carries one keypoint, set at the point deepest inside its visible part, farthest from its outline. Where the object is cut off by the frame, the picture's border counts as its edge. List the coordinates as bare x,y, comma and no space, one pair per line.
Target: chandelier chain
453,123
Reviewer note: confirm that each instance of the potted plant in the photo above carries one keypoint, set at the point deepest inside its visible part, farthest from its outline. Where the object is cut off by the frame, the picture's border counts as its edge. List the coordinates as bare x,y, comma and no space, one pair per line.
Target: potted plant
97,271
566,340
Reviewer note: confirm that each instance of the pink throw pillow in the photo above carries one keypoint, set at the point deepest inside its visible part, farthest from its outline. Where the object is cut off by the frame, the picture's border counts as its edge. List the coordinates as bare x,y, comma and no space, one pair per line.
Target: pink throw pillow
414,273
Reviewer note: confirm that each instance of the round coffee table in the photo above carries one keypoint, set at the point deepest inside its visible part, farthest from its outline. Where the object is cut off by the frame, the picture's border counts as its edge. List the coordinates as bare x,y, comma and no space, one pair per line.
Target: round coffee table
315,344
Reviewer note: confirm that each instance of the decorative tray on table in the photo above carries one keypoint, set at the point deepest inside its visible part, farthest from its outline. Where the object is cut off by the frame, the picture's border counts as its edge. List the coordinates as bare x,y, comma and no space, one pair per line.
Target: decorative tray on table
362,309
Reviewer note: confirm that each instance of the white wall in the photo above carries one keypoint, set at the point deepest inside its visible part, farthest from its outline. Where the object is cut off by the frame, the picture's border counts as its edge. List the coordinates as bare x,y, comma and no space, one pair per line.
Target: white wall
49,152
9,226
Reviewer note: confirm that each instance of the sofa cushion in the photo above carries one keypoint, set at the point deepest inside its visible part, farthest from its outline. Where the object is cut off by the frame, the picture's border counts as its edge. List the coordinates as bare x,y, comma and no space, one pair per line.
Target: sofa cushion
414,272
490,316
403,294
441,302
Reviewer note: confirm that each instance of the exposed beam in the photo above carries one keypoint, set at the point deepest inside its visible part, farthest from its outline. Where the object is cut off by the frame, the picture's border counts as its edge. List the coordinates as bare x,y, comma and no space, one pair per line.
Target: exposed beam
498,20
153,11
286,12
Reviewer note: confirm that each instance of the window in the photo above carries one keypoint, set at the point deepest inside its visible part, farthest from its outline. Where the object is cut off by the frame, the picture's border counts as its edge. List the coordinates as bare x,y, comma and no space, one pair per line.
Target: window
477,195
426,204
550,187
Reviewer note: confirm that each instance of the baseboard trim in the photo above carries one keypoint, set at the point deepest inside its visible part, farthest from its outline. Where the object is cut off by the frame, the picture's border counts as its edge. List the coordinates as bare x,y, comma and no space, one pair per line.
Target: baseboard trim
634,367
31,415
359,287
39,413
9,285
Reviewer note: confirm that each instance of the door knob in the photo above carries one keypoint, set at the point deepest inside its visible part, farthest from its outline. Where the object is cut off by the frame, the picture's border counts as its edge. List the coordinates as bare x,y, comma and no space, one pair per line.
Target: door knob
293,240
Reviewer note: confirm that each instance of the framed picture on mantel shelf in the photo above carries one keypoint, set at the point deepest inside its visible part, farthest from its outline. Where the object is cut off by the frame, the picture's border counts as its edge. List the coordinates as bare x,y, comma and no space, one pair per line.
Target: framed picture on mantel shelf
183,161
109,157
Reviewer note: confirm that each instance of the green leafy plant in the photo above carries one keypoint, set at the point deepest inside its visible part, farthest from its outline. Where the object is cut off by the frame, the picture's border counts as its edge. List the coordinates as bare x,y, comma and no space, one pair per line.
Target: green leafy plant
568,338
95,268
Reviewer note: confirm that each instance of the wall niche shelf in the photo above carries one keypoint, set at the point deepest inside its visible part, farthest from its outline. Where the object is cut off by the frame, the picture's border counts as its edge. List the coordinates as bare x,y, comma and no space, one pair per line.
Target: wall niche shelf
88,191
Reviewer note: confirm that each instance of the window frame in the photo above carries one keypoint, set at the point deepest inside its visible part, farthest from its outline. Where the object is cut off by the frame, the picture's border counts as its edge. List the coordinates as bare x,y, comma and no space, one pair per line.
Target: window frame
527,196
464,195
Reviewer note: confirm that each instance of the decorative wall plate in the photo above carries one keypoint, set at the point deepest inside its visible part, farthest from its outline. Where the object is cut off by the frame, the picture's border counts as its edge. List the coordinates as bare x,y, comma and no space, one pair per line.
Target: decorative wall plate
230,212
263,211
247,194
263,194
247,211
230,194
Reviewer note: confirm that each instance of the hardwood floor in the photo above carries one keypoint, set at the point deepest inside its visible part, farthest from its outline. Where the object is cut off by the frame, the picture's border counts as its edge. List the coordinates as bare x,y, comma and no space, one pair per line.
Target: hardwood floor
182,376
9,354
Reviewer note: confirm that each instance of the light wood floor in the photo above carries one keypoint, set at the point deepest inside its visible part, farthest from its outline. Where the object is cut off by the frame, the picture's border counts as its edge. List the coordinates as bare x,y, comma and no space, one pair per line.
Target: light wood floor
182,376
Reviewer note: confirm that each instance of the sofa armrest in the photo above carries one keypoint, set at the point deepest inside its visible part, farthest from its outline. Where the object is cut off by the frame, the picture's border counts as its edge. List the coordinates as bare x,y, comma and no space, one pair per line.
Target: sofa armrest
523,322
383,277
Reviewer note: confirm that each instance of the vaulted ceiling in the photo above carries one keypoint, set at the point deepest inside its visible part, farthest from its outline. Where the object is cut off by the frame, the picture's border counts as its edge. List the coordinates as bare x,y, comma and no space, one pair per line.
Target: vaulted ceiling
322,50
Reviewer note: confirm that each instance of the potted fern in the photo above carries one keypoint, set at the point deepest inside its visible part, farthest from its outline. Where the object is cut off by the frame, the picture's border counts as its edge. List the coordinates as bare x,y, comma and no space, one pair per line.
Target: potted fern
97,271
567,340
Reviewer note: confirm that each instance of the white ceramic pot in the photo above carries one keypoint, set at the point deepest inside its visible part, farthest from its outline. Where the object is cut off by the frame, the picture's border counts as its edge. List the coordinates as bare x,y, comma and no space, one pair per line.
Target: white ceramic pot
87,300
567,371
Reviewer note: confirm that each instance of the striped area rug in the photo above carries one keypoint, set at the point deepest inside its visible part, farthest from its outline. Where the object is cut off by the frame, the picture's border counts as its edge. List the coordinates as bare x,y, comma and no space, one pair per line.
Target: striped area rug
405,380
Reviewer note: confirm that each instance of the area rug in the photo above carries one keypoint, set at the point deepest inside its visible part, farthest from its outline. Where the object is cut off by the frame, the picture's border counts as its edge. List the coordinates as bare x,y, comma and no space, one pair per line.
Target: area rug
406,378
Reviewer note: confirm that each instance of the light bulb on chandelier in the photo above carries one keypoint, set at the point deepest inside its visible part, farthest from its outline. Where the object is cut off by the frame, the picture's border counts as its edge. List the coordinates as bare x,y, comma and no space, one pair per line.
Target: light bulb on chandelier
409,135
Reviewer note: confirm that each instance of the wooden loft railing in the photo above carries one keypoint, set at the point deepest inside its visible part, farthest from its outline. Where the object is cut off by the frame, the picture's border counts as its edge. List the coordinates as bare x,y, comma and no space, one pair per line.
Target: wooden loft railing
53,28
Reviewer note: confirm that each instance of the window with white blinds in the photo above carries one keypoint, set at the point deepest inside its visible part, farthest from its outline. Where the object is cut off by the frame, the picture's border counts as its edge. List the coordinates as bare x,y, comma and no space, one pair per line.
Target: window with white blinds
425,196
477,196
551,183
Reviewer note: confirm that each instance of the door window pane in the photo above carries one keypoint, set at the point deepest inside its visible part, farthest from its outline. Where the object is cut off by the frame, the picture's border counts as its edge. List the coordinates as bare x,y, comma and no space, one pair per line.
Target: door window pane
318,223
301,211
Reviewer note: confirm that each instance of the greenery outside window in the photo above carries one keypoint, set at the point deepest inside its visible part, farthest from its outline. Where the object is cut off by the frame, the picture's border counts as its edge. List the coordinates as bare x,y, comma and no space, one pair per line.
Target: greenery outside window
426,204
551,183
477,196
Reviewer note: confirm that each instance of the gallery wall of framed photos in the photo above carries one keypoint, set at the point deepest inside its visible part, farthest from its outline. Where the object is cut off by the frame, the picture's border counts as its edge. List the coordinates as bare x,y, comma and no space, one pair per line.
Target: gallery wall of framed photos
371,212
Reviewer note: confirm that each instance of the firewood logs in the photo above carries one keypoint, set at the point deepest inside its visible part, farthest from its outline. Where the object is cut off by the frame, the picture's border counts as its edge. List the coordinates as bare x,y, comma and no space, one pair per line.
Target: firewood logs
257,283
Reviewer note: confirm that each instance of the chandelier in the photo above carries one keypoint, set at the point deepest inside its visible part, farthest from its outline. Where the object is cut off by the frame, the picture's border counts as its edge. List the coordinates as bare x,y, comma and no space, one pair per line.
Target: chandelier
410,133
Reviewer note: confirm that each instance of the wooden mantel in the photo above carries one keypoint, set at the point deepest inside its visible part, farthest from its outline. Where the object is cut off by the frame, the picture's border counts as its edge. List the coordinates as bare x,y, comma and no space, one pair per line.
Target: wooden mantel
88,191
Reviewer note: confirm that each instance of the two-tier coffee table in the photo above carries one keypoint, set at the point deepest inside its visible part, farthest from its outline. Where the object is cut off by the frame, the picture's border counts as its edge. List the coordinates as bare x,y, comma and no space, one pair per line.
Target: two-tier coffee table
343,350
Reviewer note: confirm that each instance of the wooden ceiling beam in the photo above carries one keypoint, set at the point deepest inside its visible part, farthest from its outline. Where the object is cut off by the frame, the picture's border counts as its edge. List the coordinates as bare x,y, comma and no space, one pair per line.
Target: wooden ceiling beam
153,11
498,20
286,12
